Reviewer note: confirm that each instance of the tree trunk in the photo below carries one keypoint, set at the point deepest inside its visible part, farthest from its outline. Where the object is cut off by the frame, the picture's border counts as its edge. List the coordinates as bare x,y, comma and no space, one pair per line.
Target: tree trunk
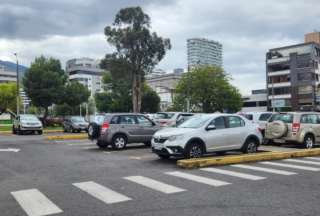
136,92
45,117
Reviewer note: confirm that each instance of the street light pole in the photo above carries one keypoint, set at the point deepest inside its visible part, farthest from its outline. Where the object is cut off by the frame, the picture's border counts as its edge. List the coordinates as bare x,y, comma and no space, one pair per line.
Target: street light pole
18,86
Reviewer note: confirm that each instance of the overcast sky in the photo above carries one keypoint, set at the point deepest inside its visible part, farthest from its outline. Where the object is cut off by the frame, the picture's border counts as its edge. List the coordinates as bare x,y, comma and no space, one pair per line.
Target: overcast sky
67,29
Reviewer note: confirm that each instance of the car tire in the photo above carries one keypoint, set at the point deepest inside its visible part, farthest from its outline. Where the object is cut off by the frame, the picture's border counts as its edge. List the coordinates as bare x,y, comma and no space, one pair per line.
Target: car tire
14,130
72,130
148,144
119,142
102,144
250,146
93,131
65,129
308,141
164,157
19,131
194,150
40,132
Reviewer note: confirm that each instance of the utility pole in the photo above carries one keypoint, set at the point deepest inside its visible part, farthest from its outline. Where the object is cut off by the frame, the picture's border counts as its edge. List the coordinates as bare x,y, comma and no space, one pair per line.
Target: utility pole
18,86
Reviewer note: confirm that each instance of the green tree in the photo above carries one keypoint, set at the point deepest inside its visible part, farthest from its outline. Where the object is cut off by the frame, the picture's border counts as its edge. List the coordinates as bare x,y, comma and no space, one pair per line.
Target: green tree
136,46
103,102
44,83
8,97
75,94
150,100
209,90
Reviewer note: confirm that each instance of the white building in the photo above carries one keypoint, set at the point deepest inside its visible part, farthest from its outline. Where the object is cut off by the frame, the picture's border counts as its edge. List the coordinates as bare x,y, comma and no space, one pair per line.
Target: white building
86,71
256,102
203,52
6,75
164,85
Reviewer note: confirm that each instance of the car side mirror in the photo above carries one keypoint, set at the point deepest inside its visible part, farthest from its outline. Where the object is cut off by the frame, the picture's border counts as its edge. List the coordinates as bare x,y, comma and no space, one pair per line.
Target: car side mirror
211,127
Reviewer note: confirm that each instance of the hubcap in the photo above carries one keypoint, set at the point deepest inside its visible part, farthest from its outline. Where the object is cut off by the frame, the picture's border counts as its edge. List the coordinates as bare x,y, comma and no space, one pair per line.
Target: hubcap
90,131
195,152
252,147
309,143
119,142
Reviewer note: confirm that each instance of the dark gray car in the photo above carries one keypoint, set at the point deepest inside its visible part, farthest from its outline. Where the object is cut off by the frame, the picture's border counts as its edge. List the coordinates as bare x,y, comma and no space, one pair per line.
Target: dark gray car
75,124
118,130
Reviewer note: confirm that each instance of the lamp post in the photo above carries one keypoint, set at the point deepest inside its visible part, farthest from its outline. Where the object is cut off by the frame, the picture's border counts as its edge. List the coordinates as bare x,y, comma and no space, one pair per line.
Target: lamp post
18,88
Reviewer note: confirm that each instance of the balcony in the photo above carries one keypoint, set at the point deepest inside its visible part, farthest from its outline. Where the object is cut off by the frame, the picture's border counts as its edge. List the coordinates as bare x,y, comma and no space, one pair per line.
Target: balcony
284,96
281,84
277,60
278,73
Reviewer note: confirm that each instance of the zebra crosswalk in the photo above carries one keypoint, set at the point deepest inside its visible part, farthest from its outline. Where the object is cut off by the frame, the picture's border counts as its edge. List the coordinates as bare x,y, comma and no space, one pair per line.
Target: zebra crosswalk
36,203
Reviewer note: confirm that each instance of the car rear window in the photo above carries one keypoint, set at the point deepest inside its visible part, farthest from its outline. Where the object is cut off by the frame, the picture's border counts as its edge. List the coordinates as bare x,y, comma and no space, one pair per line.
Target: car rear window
287,118
164,115
264,116
248,116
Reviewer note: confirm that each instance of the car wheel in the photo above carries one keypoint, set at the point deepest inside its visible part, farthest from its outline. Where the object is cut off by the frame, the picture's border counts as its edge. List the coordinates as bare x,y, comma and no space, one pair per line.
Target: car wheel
65,129
20,132
194,150
14,130
102,144
308,141
148,144
165,157
119,142
250,146
40,132
72,130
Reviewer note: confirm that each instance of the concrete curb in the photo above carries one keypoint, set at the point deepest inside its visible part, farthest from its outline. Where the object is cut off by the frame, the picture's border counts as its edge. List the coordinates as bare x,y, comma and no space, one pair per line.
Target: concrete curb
68,137
245,158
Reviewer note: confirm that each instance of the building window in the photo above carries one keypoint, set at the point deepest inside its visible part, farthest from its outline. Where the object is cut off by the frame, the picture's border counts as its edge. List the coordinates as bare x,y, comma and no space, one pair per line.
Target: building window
305,76
280,91
305,90
279,79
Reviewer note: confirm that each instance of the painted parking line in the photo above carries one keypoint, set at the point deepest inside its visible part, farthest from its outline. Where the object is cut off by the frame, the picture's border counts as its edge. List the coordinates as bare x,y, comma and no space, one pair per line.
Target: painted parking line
263,169
199,179
234,174
102,193
313,158
35,203
303,161
291,166
155,185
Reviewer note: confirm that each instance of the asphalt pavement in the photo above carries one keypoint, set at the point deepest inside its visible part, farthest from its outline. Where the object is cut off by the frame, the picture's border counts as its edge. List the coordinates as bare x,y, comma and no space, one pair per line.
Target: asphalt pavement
75,178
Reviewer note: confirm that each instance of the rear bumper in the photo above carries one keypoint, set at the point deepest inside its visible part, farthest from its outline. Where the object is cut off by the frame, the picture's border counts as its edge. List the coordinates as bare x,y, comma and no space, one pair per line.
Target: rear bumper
31,128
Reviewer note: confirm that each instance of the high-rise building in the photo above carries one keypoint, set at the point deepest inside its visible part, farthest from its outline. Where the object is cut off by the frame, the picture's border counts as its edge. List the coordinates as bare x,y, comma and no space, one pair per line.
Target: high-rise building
293,77
7,75
86,71
204,52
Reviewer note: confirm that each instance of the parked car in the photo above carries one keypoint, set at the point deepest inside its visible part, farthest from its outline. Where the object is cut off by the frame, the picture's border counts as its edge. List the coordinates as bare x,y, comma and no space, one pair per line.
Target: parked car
95,123
260,118
75,124
171,119
294,127
118,130
27,123
207,133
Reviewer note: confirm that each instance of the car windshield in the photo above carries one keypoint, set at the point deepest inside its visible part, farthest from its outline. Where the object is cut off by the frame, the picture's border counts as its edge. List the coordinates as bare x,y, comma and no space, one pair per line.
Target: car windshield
265,116
77,119
287,118
195,122
164,115
29,118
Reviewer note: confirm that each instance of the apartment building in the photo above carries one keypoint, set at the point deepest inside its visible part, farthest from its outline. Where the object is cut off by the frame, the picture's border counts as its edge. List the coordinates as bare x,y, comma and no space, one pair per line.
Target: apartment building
292,74
202,52
7,75
256,102
86,71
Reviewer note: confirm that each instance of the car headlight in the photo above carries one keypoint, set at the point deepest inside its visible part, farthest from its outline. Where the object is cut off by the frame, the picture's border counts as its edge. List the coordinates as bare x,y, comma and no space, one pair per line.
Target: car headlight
175,137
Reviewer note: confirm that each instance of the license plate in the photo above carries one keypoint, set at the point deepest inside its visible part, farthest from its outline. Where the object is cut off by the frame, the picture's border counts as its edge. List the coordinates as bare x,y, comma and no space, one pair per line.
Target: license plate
279,141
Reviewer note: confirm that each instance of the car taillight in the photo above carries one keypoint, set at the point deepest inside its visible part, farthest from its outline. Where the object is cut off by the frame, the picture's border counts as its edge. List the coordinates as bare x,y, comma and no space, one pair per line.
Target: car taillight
295,127
104,127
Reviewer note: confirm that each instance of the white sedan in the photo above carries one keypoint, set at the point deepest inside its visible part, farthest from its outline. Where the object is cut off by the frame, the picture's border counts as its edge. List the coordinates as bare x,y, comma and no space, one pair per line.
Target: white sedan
207,133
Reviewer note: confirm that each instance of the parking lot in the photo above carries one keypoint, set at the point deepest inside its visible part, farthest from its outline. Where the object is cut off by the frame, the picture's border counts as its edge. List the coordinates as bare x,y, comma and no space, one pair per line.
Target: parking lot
75,177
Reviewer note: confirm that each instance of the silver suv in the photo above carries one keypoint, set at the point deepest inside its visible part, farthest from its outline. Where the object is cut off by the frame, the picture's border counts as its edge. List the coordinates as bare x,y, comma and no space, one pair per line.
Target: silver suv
294,127
118,130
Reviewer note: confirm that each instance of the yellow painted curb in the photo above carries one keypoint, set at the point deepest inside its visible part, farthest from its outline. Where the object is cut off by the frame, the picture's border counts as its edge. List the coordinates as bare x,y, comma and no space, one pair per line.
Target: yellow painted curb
5,132
68,137
245,158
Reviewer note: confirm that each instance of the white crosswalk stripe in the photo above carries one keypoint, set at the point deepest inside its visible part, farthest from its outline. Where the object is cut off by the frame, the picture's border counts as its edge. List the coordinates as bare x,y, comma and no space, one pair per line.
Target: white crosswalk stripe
291,166
155,185
233,173
102,193
303,161
35,203
313,158
199,179
263,169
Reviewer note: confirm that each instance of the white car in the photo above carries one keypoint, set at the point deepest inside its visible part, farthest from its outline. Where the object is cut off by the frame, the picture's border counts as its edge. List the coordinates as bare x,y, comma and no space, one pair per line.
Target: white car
171,119
260,118
207,133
